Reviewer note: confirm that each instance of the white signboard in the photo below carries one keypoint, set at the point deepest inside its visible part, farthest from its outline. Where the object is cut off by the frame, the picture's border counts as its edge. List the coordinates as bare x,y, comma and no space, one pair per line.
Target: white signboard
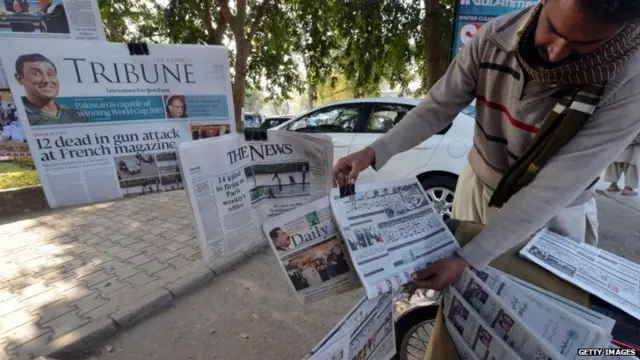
102,123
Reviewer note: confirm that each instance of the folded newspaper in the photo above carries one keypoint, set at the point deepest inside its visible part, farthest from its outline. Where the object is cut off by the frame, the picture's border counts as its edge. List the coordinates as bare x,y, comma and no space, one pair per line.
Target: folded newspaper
234,184
310,251
365,333
391,230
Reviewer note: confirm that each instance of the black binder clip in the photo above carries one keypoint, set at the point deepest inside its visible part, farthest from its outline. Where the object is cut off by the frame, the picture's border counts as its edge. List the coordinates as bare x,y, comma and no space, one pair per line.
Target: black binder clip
138,49
255,134
347,190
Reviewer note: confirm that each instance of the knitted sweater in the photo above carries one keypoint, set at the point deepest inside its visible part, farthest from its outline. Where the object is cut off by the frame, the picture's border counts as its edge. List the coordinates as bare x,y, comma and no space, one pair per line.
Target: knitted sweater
509,113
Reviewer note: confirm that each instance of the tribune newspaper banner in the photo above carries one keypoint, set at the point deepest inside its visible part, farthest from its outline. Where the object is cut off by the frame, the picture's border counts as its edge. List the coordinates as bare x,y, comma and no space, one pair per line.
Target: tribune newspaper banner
102,124
472,14
47,19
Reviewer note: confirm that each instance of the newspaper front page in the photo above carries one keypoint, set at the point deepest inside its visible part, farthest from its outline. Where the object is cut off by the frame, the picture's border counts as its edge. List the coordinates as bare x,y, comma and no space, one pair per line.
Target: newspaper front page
391,231
366,333
49,19
234,184
310,251
484,342
103,124
531,327
610,277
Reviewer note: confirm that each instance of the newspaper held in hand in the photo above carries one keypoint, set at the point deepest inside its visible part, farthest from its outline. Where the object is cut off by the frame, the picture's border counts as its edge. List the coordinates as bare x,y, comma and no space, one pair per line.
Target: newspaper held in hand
391,231
529,324
234,184
484,342
610,277
310,251
365,333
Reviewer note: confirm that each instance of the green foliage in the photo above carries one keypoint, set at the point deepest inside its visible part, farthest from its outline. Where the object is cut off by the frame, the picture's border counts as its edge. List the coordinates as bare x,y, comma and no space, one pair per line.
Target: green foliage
14,176
25,162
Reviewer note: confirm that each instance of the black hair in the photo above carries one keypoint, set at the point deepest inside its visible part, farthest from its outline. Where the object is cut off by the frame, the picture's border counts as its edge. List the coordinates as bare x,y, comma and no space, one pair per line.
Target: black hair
612,11
170,101
27,58
273,234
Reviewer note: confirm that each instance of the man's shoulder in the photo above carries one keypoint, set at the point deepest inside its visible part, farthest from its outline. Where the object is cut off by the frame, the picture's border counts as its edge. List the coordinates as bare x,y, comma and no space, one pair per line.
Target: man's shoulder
626,84
72,113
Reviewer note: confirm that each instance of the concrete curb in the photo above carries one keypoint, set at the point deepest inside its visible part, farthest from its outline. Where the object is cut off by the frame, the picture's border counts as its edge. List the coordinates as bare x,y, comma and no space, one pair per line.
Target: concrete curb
94,334
618,199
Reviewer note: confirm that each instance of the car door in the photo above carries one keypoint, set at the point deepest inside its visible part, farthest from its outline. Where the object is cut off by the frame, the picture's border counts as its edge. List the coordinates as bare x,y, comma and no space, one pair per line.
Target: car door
337,122
380,118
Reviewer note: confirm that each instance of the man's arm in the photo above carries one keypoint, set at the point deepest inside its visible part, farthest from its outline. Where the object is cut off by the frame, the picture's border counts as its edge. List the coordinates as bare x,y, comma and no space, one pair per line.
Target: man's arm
455,90
565,176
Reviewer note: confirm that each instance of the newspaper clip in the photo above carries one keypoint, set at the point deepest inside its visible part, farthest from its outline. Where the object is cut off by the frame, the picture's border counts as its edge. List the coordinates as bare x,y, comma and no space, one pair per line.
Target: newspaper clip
347,190
255,134
138,49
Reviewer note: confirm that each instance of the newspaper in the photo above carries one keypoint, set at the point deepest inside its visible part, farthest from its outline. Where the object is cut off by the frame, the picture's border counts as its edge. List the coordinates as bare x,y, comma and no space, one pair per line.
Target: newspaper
484,342
517,315
610,277
103,124
310,251
463,350
49,19
391,231
234,184
365,333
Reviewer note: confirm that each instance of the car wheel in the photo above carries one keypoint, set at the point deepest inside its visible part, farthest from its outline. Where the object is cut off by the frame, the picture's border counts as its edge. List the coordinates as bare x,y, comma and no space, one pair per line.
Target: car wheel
413,332
440,190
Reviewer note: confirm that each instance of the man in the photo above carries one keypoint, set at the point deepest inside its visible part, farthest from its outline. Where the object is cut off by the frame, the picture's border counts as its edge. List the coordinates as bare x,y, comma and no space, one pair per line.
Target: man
280,239
39,77
558,95
626,163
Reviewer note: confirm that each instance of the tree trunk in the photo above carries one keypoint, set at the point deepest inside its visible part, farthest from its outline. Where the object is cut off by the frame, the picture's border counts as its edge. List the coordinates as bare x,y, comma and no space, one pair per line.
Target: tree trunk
310,96
435,53
243,48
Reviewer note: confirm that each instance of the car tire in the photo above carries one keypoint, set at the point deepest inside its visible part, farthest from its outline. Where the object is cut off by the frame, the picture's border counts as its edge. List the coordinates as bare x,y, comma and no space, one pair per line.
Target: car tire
409,334
440,190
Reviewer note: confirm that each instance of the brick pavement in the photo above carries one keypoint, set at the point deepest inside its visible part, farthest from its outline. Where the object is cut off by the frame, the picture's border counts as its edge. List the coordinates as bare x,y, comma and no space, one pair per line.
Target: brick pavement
62,270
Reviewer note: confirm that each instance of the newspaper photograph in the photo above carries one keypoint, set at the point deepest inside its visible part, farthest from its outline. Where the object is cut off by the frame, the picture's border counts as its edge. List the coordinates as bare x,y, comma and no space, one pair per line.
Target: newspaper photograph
391,230
310,251
528,324
102,124
13,141
601,273
464,320
227,192
366,333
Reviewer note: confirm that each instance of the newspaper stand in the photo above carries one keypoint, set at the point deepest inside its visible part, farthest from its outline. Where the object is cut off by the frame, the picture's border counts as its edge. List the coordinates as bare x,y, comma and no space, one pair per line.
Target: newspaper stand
440,345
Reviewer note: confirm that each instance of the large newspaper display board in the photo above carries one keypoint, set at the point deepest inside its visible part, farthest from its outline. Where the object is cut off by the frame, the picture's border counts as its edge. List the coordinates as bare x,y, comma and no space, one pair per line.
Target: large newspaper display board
102,123
365,333
472,14
235,184
610,277
310,251
391,231
47,19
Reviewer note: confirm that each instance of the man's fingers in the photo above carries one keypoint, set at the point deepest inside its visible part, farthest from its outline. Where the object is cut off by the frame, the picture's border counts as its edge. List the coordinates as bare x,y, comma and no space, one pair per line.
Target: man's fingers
353,174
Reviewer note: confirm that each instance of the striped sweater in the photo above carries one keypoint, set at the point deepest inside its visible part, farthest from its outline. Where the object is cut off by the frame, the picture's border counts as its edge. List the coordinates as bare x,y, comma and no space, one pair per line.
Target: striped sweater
510,112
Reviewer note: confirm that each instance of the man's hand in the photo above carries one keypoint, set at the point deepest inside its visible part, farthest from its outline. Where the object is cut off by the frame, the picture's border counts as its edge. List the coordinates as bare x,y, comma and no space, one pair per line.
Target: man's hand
440,274
346,170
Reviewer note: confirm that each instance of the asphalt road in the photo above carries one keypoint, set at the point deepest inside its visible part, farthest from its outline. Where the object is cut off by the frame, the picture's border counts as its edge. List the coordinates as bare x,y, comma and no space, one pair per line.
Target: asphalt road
250,314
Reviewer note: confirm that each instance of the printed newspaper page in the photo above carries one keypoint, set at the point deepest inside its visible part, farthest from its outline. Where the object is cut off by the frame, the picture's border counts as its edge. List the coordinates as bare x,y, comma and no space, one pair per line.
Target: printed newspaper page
103,124
391,231
463,350
366,333
528,325
234,184
310,251
484,342
610,277
49,19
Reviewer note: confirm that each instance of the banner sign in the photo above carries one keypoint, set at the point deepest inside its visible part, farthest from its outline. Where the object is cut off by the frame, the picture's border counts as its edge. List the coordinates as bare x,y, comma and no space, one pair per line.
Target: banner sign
472,14
46,19
102,123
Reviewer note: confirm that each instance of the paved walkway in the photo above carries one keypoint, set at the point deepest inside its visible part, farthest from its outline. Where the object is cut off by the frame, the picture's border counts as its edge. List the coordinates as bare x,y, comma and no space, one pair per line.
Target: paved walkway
632,201
64,271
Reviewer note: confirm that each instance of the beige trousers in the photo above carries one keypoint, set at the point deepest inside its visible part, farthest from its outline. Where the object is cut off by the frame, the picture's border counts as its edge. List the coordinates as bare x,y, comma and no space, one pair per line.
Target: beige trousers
615,171
471,201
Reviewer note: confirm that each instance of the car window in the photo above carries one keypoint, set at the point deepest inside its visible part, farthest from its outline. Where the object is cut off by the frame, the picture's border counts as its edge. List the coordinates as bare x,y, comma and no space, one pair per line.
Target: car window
385,116
335,119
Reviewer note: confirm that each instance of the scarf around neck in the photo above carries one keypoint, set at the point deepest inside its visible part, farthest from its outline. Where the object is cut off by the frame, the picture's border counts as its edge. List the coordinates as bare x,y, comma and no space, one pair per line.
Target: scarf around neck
585,78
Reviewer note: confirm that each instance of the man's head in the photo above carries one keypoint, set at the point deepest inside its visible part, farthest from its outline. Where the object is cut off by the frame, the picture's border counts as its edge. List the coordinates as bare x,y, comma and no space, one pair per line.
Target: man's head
568,29
280,238
39,77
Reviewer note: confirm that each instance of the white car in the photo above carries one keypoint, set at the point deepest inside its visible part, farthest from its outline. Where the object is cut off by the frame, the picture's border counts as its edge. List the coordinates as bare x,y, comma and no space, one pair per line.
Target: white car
354,124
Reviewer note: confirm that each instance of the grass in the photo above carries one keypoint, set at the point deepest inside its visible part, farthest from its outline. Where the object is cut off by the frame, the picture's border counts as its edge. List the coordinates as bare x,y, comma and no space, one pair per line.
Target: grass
14,176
